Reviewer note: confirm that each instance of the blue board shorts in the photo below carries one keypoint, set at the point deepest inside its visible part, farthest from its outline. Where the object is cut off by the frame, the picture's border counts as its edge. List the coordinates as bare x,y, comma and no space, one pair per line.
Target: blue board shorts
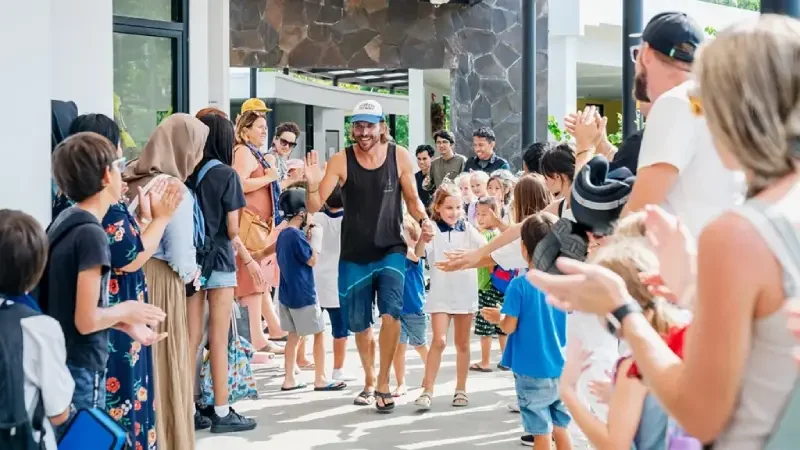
361,284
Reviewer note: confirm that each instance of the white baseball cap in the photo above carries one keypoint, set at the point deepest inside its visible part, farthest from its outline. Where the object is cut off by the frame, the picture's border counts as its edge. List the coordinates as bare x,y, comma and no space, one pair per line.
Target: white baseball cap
367,111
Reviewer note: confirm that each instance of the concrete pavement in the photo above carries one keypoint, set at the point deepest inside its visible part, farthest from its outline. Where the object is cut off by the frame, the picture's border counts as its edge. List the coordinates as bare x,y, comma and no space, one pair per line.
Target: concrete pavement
308,420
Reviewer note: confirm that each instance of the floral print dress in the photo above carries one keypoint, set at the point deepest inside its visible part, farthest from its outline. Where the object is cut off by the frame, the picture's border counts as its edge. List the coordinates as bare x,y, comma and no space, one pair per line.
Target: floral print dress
130,397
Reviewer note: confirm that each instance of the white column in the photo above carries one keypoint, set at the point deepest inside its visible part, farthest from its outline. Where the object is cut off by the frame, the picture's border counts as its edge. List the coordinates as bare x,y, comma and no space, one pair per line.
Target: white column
81,50
25,119
199,67
219,61
418,111
562,80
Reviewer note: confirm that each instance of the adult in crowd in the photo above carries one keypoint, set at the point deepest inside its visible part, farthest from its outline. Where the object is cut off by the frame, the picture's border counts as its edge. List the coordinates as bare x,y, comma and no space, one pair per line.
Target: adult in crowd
678,167
424,155
735,376
485,159
255,105
261,185
283,144
375,177
132,242
449,163
173,151
62,115
531,157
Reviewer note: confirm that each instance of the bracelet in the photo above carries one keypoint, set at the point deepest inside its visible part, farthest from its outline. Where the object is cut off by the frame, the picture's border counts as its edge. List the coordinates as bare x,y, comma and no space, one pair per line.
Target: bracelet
315,191
248,262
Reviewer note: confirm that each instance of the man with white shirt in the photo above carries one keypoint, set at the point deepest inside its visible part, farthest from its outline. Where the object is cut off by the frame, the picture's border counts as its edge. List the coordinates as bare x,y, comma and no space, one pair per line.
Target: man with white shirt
678,166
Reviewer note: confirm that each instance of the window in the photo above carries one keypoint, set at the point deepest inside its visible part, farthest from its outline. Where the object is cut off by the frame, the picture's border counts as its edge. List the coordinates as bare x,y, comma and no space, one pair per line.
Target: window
150,71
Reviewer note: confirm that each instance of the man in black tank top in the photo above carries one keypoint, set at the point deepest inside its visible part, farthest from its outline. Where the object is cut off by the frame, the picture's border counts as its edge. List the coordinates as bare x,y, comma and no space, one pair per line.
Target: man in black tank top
376,176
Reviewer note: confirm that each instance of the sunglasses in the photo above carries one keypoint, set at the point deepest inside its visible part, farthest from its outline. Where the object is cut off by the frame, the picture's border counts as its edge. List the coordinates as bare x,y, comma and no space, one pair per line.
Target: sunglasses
286,143
120,164
635,49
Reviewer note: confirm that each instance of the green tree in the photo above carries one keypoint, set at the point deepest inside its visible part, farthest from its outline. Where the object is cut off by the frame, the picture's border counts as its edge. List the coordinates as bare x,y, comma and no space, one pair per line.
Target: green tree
752,5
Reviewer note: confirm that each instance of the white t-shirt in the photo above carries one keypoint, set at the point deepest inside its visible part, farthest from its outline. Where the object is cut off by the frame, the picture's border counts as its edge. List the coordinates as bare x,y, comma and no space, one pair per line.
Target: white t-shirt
44,361
326,271
676,136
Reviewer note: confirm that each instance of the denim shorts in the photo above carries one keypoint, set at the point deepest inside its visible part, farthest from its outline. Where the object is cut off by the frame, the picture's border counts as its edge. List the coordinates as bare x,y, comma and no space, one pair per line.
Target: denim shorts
539,404
360,284
220,280
414,329
338,323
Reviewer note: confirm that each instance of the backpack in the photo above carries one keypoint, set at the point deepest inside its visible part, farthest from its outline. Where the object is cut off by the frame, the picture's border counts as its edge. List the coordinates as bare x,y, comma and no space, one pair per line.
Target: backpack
205,247
16,427
502,277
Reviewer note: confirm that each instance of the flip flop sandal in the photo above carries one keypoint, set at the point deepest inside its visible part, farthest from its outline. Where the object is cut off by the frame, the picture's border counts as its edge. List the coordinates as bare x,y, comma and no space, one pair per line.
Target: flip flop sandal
460,399
385,396
280,339
294,388
477,368
423,402
307,367
335,386
364,399
502,367
399,392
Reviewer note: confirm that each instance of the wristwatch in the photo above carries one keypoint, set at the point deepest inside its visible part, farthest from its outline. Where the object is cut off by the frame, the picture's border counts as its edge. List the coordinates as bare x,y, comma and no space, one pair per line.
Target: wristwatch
614,318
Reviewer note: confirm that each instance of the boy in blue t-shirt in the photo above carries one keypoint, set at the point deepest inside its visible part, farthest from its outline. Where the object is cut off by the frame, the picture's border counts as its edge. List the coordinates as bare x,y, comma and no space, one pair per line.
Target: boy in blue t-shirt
535,350
299,311
413,322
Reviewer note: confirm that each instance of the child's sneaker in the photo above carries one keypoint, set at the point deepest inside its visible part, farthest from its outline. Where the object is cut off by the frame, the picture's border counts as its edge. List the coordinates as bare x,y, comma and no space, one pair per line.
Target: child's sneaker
201,422
341,375
232,423
527,440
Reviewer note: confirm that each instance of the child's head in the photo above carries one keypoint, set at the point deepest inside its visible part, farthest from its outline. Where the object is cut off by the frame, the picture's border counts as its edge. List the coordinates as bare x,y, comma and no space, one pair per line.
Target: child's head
530,196
630,226
628,258
500,185
86,165
477,182
484,209
295,169
292,206
447,205
334,200
463,183
534,229
23,252
411,230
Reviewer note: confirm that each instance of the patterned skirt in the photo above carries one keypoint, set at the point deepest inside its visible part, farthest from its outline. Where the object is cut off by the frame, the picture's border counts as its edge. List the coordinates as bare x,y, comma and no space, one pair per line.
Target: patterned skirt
489,298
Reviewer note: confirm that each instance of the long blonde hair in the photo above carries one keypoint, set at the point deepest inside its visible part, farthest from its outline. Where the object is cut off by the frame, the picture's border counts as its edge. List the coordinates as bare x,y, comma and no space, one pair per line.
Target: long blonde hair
750,94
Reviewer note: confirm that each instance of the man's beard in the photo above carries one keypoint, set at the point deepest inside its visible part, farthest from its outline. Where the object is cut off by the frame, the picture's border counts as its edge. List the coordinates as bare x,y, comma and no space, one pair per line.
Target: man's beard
640,87
372,143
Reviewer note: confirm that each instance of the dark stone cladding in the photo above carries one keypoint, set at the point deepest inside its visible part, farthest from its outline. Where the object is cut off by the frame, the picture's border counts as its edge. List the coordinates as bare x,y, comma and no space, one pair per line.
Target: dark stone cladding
481,45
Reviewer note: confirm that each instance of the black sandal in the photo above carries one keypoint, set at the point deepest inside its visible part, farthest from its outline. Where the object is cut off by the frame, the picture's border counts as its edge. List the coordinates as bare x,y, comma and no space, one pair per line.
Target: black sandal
364,399
387,407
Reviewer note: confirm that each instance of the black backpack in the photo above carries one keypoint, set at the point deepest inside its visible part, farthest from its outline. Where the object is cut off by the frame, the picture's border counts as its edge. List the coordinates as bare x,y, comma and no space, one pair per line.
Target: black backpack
16,427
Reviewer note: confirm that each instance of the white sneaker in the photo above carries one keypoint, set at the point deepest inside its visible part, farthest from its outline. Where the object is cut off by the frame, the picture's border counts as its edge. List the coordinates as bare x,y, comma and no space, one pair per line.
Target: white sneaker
340,375
513,407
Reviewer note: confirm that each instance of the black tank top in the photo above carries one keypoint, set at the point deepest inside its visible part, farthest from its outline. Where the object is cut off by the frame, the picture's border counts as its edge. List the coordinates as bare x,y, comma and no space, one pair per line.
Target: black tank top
372,226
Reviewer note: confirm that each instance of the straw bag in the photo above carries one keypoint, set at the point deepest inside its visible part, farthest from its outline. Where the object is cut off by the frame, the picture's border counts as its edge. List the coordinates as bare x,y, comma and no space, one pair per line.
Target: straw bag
253,231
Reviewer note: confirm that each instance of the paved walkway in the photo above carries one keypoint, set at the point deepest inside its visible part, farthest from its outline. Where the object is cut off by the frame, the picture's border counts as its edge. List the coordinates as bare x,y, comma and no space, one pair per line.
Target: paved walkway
307,420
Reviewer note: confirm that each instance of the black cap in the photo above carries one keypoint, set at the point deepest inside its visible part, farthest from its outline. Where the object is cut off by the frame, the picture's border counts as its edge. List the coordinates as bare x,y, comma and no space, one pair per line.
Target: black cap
674,34
292,202
597,199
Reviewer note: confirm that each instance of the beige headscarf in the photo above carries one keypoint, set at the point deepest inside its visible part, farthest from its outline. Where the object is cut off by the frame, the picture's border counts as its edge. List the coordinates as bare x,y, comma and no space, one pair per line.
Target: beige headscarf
174,149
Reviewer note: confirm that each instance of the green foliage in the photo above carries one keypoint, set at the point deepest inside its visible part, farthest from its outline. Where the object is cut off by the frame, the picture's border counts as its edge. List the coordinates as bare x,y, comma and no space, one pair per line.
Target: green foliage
559,134
711,31
752,5
616,138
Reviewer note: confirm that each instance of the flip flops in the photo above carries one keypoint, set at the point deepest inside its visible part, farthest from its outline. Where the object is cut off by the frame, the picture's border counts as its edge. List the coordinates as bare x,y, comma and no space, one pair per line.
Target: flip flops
335,386
364,399
386,407
294,388
477,368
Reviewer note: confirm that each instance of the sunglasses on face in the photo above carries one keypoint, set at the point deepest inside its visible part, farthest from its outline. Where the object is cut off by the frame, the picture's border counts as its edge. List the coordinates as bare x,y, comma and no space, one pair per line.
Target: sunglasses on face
635,49
119,164
286,143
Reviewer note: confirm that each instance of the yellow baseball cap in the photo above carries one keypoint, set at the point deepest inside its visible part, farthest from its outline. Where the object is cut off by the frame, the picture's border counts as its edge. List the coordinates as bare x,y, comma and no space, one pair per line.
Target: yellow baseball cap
255,104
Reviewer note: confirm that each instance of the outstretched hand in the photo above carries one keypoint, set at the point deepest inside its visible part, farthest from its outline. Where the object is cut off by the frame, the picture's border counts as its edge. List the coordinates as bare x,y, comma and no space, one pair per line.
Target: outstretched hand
459,260
675,248
313,172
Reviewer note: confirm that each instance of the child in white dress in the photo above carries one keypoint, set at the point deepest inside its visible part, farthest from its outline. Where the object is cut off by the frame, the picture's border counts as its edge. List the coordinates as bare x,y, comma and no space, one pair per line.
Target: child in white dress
453,295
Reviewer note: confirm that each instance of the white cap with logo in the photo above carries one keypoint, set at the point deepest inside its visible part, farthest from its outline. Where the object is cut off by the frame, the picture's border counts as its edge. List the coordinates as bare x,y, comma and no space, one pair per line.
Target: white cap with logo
367,111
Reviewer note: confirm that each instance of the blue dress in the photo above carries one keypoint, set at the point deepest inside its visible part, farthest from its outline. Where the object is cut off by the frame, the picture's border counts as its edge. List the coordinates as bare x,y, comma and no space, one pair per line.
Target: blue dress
130,397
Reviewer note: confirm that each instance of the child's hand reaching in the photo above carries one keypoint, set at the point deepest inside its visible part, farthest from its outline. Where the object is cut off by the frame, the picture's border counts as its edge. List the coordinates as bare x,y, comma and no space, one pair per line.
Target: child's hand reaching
492,315
577,361
143,334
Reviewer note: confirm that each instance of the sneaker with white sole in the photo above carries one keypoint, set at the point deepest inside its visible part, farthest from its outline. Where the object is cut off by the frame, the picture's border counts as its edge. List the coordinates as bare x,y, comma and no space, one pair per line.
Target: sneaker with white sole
513,407
526,440
341,375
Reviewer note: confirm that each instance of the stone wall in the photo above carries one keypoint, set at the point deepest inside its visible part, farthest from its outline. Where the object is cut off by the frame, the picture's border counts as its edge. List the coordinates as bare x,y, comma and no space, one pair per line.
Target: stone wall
481,45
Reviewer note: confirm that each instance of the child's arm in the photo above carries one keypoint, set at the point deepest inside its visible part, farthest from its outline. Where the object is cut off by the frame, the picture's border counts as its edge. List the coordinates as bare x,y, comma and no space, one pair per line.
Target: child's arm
90,318
419,249
506,322
624,412
315,234
42,335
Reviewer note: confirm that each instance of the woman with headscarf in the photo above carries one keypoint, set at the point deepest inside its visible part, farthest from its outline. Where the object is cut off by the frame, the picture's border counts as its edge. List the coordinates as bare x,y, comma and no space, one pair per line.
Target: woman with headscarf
62,115
173,151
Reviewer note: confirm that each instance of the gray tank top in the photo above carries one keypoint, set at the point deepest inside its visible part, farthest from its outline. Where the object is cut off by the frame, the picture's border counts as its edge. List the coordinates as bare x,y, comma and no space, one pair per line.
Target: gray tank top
771,375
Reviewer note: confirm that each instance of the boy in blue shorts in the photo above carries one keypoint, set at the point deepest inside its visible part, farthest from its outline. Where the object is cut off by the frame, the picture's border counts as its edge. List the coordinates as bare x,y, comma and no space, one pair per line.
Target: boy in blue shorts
535,349
413,322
